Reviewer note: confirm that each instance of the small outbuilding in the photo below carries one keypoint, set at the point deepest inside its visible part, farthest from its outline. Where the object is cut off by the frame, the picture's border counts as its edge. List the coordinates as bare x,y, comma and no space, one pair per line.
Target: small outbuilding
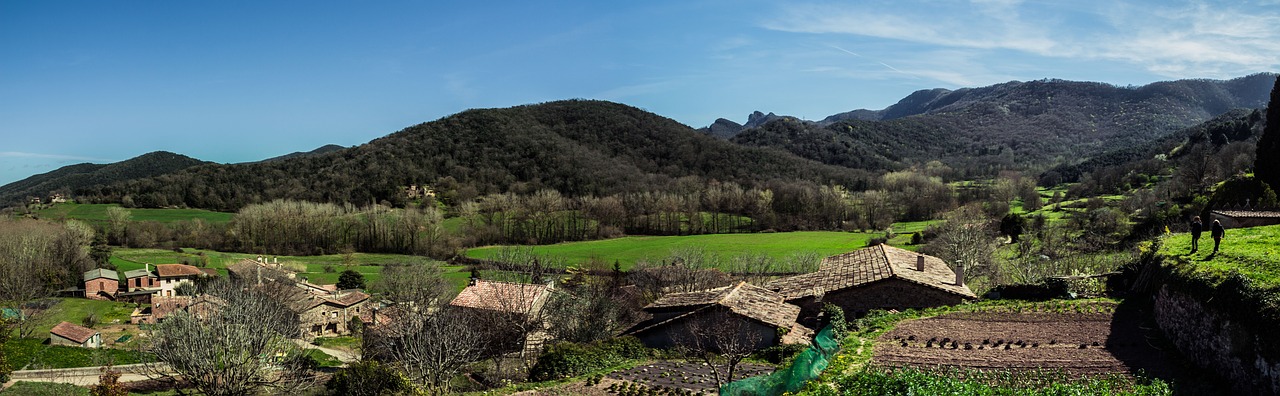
70,334
877,277
101,284
752,314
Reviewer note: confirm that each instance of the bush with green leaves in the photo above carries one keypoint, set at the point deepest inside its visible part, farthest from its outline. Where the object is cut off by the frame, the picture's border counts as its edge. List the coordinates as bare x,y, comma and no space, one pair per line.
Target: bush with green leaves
566,359
367,378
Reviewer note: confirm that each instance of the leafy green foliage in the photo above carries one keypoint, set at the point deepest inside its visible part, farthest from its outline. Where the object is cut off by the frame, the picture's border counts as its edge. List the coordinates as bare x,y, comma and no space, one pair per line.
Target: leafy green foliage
566,359
891,382
367,378
350,279
1267,165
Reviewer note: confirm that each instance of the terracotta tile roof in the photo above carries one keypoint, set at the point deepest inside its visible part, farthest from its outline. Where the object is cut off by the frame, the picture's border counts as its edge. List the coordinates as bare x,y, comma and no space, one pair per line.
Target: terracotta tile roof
162,306
868,265
100,273
1248,213
501,296
73,332
175,270
348,298
743,299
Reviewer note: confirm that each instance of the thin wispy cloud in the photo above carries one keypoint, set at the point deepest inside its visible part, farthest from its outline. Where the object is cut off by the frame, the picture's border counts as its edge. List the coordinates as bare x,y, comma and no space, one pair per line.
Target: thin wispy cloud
19,154
1179,40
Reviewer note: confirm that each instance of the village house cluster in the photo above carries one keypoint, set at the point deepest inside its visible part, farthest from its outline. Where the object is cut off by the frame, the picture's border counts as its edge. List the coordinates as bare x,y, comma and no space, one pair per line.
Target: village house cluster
322,310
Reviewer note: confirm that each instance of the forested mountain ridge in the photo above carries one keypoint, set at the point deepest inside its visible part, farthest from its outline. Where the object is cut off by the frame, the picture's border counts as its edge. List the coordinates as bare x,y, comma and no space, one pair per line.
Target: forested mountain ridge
1016,125
72,177
319,150
577,147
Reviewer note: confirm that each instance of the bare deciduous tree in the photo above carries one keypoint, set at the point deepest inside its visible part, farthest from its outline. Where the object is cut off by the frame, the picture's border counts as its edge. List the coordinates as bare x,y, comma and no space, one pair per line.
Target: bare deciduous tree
430,348
231,341
36,258
719,340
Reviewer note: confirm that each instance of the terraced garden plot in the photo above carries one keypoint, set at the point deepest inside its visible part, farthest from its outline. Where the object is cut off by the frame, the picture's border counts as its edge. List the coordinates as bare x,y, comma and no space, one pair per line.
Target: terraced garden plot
694,377
1079,344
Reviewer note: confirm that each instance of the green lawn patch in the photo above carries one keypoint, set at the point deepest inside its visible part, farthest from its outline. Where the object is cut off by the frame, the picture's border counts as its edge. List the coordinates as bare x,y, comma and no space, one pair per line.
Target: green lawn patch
1251,252
33,354
629,250
97,213
75,309
317,269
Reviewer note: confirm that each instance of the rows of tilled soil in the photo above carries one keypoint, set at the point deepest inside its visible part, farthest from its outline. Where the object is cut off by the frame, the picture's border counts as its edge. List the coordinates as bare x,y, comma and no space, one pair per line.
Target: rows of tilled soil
1076,343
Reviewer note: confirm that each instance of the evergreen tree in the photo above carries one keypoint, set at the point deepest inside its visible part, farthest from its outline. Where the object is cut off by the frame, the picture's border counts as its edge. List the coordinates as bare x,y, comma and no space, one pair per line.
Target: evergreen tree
1266,167
350,279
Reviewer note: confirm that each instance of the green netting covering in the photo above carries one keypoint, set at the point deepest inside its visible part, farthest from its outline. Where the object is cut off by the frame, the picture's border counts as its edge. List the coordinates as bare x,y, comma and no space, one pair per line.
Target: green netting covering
805,367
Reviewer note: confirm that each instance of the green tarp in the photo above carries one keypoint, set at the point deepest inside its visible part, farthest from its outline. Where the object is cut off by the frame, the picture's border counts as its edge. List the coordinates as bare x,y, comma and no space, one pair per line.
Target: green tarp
806,366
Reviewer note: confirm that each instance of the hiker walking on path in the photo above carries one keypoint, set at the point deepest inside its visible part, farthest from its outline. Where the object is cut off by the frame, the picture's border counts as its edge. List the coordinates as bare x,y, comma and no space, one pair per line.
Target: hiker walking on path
1196,229
1217,233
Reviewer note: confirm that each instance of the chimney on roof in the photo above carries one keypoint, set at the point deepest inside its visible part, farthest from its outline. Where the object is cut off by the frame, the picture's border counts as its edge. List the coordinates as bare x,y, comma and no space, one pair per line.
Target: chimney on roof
959,273
920,262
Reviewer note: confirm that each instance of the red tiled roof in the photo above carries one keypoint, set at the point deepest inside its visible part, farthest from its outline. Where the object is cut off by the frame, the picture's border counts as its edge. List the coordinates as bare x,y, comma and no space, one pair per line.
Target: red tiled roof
175,270
743,299
349,298
868,265
73,332
1248,213
501,296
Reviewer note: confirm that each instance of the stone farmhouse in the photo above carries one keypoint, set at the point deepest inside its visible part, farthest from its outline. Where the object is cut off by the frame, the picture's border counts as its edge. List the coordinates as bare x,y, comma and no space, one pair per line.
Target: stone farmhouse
101,284
763,317
520,304
331,314
70,334
877,277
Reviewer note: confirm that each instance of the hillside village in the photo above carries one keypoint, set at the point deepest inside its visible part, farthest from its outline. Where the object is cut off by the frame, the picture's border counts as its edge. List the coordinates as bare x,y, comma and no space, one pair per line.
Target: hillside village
812,276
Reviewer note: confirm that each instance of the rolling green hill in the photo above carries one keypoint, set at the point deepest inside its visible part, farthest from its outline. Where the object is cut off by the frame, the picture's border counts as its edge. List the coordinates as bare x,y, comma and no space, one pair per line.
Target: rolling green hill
68,179
577,147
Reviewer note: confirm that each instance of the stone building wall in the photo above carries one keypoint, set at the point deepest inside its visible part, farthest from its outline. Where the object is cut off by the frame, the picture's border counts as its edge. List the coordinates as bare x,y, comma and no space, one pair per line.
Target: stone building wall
1213,341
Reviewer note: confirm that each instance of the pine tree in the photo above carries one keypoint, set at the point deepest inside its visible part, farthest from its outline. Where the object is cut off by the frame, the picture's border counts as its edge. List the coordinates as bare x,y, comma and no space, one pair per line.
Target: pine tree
1266,167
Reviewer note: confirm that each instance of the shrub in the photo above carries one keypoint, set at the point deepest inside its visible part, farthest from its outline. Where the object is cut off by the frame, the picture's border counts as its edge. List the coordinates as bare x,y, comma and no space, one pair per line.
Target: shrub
90,320
366,378
567,359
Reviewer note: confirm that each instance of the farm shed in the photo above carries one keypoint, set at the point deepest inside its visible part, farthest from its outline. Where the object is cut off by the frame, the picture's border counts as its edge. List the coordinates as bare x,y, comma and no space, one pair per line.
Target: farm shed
101,284
759,316
877,277
67,333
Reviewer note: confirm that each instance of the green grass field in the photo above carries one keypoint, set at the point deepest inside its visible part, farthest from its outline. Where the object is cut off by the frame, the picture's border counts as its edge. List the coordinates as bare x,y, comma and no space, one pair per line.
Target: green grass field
1250,251
33,354
368,264
629,250
75,309
97,213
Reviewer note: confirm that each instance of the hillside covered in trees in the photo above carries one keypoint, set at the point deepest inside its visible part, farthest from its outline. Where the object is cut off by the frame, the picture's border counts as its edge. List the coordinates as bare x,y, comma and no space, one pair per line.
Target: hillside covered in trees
1017,125
575,147
71,178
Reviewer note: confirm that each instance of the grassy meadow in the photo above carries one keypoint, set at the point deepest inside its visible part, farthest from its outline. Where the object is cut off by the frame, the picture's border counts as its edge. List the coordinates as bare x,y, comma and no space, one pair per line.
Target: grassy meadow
629,250
97,213
1250,251
317,269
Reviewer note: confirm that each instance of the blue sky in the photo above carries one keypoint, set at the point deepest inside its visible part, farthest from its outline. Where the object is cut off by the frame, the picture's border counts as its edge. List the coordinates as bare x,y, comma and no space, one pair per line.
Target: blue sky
233,81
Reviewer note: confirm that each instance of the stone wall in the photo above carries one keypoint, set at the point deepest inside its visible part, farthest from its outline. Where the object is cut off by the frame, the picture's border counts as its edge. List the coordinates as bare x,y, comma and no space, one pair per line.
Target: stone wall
1213,341
884,294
